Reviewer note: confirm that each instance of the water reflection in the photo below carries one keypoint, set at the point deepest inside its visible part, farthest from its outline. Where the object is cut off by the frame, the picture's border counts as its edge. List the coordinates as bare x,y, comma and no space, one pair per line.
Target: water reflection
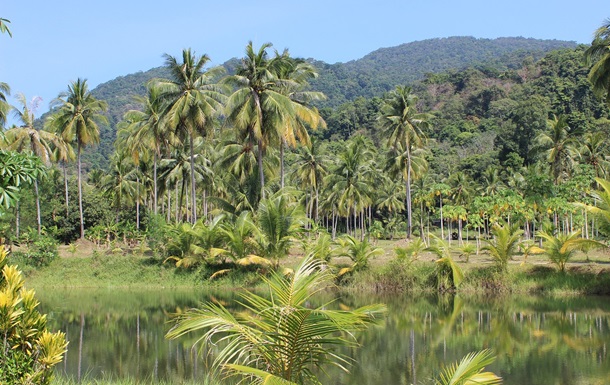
537,340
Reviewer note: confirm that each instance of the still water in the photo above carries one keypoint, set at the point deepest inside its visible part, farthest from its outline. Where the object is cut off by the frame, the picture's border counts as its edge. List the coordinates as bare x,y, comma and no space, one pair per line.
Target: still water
118,333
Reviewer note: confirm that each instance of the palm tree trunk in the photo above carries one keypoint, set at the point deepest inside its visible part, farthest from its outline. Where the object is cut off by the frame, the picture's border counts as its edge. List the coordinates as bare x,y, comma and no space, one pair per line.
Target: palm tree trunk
155,208
193,196
38,221
66,187
138,203
409,213
17,224
80,193
282,163
442,224
261,173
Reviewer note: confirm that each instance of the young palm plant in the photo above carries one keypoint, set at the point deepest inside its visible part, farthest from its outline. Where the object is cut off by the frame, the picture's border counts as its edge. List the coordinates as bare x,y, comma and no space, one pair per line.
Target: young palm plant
562,247
470,371
449,273
504,245
280,339
360,252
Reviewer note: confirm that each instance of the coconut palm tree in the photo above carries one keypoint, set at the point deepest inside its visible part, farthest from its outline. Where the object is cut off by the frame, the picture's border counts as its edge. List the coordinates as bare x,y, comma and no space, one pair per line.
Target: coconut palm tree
117,184
404,125
504,245
360,252
557,142
601,210
294,75
470,371
599,56
350,181
76,119
561,248
310,168
593,150
192,101
264,107
281,338
146,132
27,138
280,219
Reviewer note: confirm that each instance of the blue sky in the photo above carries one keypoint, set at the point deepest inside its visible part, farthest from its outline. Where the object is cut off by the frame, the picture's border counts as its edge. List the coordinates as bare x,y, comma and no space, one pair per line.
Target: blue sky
55,42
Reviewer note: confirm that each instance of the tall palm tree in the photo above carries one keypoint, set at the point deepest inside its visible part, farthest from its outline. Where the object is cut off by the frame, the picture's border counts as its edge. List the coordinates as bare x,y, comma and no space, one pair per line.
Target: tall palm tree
294,75
350,181
146,132
310,169
404,125
281,339
192,102
557,142
593,150
77,119
118,184
599,56
27,138
261,108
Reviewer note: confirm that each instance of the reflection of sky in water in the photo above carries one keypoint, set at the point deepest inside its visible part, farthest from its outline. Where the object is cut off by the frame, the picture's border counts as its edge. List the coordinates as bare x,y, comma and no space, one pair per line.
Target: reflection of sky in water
537,340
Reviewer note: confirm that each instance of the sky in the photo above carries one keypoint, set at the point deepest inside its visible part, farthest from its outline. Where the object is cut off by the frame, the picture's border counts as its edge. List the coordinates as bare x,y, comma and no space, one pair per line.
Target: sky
56,42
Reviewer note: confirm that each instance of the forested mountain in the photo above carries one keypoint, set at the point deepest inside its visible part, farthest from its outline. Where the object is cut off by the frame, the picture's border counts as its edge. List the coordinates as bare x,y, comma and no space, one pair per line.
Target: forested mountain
372,75
381,70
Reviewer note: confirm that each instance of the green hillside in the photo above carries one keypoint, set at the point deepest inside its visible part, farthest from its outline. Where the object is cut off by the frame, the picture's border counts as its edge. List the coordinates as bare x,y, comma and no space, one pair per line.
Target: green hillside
367,77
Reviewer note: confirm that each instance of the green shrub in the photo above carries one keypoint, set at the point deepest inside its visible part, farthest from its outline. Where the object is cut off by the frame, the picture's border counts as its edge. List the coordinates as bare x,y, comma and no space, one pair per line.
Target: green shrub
41,252
28,350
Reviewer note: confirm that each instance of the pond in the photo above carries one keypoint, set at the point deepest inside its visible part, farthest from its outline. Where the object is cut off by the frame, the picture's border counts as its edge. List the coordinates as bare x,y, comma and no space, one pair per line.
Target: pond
546,341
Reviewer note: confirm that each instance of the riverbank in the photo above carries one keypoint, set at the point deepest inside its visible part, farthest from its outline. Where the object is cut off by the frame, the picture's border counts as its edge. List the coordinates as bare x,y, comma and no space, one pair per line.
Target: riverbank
385,274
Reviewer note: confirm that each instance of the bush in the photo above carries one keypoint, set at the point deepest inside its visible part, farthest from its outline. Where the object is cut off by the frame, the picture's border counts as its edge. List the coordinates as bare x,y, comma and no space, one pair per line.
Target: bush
28,350
40,253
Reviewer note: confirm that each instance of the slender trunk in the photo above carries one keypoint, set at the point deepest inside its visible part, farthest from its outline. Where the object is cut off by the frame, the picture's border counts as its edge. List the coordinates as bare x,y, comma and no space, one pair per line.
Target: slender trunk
261,173
442,225
155,208
169,205
138,203
460,231
193,196
17,224
38,221
205,203
409,213
66,187
282,144
317,205
80,192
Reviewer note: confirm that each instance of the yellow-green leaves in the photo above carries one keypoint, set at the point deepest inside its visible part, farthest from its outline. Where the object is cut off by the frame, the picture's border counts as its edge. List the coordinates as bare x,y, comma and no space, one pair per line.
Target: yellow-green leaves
28,350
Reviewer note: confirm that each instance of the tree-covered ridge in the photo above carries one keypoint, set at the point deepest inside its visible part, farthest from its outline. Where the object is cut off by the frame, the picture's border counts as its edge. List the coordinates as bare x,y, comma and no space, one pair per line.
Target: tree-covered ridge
383,69
370,76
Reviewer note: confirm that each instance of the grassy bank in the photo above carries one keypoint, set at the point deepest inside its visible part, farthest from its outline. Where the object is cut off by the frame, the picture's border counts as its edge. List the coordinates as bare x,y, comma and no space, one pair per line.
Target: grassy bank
580,279
385,274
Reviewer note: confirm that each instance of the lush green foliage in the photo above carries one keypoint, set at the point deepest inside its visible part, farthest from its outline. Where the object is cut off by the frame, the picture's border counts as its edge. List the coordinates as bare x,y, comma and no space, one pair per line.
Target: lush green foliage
280,339
29,351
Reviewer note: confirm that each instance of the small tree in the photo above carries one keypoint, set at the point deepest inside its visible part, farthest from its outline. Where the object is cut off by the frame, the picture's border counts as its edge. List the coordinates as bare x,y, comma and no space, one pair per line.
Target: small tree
561,248
280,340
28,350
504,245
